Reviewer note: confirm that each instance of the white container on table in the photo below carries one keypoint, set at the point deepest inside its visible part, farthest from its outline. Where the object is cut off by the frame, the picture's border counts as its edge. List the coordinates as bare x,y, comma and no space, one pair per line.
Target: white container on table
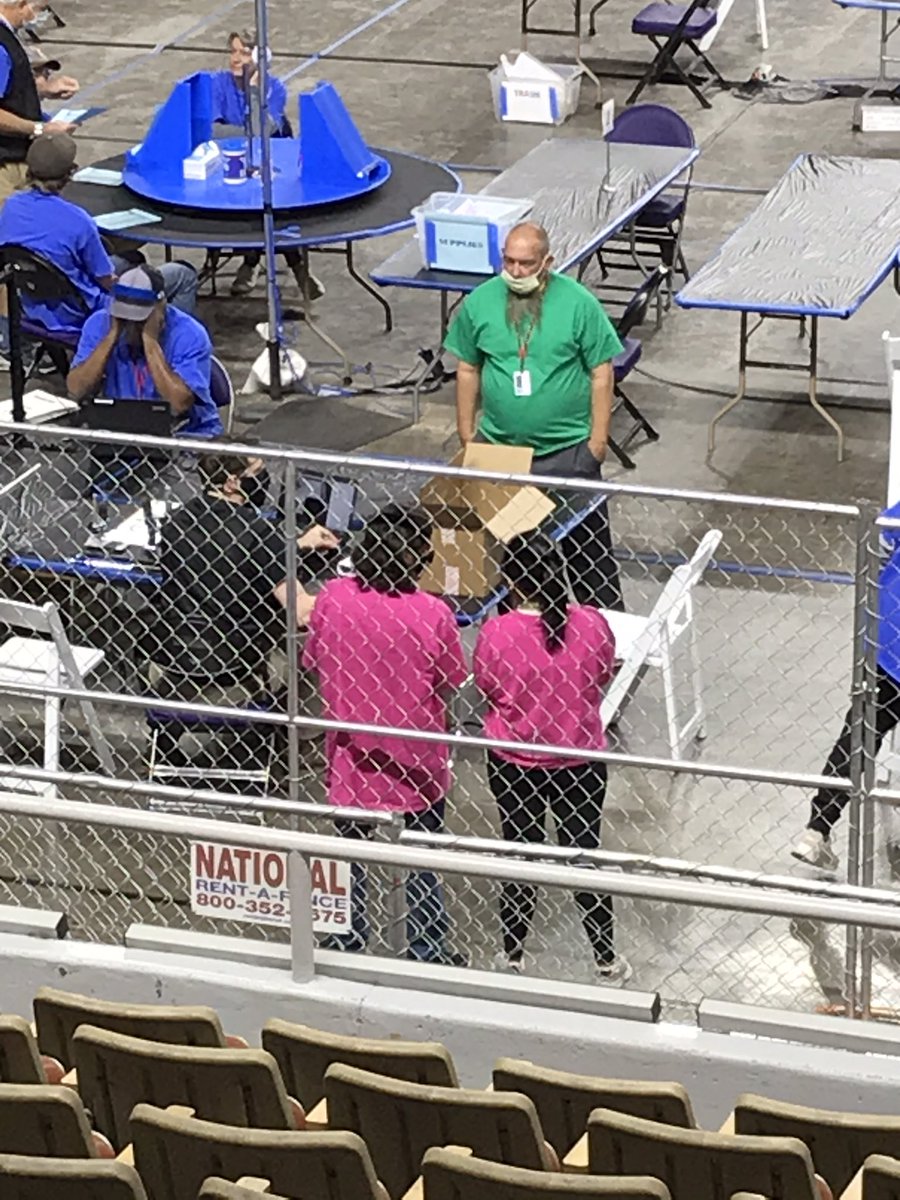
526,90
460,232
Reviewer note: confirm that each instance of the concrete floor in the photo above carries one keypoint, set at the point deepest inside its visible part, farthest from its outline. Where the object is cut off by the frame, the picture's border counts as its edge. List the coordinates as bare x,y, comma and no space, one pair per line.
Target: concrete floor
776,651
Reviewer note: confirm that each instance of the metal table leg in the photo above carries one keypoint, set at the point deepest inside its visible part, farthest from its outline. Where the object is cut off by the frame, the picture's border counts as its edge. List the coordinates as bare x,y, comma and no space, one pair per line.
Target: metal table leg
368,287
742,385
813,378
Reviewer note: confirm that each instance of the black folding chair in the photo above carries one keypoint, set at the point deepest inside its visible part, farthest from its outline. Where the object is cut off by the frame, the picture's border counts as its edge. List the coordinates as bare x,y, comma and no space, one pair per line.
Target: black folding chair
670,27
623,364
30,275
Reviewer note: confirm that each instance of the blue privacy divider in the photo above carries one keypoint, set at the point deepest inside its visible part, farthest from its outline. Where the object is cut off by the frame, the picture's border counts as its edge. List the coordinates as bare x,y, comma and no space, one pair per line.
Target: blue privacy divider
327,163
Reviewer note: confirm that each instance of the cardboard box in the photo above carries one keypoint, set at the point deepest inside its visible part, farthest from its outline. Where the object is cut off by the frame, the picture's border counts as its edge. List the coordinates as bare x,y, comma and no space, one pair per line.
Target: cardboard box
473,518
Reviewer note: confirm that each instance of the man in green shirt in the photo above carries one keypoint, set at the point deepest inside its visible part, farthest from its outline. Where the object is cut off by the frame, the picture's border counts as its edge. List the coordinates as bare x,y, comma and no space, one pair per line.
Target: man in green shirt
537,349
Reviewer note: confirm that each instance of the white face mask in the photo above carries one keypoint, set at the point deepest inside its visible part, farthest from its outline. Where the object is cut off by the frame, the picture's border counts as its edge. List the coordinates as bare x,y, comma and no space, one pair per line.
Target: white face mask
523,286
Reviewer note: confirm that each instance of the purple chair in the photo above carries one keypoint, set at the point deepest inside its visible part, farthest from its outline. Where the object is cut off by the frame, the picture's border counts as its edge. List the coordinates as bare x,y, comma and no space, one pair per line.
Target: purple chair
670,27
41,281
623,364
660,223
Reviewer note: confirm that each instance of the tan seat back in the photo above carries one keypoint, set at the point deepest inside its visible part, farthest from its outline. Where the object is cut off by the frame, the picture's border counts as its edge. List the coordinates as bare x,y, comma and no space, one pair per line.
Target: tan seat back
304,1055
399,1121
43,1120
881,1178
452,1176
838,1142
564,1101
696,1165
174,1155
25,1178
58,1014
115,1072
20,1061
221,1189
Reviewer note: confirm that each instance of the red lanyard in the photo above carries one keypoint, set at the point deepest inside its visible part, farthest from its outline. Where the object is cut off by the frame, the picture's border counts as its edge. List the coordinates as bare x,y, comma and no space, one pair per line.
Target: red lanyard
524,342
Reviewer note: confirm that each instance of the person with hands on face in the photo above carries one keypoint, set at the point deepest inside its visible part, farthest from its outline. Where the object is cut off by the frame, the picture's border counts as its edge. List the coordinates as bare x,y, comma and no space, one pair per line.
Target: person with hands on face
536,348
143,349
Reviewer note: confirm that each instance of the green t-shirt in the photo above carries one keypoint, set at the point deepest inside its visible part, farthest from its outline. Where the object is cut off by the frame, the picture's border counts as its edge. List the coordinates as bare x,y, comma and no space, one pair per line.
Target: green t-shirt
573,336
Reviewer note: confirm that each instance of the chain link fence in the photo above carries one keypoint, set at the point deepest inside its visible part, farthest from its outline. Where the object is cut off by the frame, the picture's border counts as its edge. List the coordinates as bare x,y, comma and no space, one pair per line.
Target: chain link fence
188,577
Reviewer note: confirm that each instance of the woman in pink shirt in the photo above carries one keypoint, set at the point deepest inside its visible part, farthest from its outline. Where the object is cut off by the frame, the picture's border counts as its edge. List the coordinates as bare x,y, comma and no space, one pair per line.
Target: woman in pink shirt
389,654
542,667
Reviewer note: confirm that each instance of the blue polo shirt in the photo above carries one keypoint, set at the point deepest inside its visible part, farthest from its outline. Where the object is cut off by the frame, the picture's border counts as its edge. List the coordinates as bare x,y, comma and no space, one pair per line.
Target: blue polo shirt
67,236
229,103
188,350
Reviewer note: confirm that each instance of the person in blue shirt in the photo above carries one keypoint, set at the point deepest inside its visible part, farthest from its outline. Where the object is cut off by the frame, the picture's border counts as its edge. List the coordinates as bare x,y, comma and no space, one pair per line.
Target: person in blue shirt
814,846
231,89
40,220
141,348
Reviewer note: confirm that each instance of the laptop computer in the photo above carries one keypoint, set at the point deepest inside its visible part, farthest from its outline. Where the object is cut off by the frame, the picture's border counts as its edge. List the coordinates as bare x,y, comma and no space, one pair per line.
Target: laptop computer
140,418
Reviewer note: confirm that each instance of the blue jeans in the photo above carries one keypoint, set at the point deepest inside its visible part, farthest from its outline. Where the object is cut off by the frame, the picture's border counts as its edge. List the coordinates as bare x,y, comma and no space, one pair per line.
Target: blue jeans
180,282
426,921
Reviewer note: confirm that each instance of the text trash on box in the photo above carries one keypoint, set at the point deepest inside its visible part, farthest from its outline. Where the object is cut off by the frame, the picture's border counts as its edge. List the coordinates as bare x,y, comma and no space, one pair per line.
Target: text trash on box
239,884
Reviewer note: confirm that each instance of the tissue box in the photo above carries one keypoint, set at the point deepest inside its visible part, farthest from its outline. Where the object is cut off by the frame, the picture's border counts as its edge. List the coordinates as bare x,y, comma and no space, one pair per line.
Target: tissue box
465,233
204,162
525,89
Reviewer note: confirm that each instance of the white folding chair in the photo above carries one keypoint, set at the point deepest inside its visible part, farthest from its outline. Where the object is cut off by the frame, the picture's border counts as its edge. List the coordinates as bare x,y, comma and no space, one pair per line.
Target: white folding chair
36,664
650,641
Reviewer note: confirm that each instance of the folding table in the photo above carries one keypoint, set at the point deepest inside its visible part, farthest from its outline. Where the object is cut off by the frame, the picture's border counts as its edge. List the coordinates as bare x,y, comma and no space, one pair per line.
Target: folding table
819,244
565,178
890,23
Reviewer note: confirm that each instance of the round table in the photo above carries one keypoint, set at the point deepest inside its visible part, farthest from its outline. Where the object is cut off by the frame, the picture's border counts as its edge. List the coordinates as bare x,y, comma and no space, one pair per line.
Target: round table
385,210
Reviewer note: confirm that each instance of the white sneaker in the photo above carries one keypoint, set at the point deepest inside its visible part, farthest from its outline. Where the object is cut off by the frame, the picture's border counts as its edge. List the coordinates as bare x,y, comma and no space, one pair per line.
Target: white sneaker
245,280
617,970
814,848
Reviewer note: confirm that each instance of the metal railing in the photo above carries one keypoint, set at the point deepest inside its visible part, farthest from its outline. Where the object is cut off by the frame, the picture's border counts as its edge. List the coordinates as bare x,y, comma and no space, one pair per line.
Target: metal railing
694,849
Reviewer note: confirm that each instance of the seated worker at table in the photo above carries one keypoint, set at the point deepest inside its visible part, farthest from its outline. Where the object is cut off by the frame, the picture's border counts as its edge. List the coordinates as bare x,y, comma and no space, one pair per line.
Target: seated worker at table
141,348
225,592
40,220
537,349
230,99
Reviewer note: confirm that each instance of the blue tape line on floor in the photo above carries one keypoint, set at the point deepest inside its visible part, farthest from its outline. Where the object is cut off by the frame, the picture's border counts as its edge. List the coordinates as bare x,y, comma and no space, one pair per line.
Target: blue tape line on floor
122,72
330,49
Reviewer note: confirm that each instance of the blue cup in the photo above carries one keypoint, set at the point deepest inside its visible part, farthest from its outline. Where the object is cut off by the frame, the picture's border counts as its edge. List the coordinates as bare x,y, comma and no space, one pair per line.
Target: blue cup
235,162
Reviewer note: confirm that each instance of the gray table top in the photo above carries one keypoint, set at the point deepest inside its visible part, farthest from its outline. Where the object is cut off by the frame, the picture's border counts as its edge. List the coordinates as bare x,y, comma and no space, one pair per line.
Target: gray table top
819,243
565,178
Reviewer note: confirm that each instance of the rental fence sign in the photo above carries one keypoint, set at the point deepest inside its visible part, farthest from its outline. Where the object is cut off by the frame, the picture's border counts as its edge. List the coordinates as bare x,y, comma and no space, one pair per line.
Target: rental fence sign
235,883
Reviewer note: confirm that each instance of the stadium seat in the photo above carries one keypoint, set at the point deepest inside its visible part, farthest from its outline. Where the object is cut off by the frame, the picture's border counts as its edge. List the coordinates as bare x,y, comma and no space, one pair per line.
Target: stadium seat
838,1142
175,1154
58,1014
237,1087
399,1121
20,1059
449,1175
304,1055
48,1121
879,1179
564,1101
246,1188
694,1164
27,1178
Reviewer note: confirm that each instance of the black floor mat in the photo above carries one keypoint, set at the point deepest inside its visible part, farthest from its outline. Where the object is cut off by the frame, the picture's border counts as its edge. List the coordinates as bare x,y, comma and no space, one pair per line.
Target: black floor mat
322,423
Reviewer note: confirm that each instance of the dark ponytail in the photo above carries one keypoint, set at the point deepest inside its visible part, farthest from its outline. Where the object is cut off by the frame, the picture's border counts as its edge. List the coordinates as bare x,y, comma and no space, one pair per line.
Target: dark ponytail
534,569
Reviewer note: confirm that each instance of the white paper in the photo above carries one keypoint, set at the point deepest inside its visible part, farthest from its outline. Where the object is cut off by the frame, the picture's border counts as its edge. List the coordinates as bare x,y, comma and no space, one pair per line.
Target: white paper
98,175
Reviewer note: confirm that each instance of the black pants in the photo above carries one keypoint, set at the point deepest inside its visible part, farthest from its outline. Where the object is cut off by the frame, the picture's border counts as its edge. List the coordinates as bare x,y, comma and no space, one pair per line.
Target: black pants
592,568
827,804
575,797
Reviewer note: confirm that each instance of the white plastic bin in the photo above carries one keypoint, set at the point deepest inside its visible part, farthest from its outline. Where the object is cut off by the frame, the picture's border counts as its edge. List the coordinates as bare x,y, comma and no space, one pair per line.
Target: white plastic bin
459,232
536,101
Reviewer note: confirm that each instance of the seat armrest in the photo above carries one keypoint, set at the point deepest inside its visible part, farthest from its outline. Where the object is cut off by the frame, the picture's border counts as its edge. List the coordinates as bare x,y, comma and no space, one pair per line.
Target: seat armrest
317,1117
